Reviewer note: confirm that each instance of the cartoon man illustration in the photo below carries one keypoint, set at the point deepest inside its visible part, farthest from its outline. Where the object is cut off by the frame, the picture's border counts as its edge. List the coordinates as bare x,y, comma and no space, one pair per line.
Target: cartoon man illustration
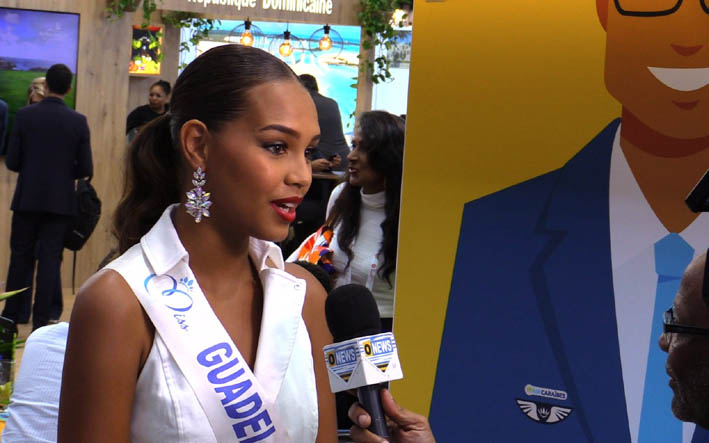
561,281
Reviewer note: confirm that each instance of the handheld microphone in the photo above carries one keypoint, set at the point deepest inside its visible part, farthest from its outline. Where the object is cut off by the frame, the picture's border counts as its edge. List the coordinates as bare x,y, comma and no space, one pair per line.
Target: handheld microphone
361,358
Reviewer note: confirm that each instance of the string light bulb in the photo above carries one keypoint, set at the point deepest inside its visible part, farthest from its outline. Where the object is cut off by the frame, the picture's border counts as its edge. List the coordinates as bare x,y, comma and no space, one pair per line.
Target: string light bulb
325,43
247,38
286,48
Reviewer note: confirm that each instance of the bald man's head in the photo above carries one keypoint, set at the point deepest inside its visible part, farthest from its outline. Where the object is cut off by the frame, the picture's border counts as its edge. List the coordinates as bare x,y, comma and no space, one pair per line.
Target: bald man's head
688,354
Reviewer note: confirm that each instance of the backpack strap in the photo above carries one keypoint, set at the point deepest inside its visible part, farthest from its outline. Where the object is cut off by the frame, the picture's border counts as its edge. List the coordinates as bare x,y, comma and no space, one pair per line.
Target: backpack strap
73,274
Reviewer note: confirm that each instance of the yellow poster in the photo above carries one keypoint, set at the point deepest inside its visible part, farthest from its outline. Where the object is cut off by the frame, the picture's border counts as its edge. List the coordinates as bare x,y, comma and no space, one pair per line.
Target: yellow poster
550,146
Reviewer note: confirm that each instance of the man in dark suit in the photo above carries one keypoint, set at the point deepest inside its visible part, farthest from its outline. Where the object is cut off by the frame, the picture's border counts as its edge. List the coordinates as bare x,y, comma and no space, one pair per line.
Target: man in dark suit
331,154
332,145
50,147
560,282
4,116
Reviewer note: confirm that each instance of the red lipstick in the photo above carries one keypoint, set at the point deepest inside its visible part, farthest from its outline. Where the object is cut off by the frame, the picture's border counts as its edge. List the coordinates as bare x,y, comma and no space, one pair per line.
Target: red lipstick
285,207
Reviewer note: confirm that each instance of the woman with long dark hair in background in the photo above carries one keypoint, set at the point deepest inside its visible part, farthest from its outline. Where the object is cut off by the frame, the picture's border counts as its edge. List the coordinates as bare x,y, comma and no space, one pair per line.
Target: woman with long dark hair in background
363,213
198,332
364,210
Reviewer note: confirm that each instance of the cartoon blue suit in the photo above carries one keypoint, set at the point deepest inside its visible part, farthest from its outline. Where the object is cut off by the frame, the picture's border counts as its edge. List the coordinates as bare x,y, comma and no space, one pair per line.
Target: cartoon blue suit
532,303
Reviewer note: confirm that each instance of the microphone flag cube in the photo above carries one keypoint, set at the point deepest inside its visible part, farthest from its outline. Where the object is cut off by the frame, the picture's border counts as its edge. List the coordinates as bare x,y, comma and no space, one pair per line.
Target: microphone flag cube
362,361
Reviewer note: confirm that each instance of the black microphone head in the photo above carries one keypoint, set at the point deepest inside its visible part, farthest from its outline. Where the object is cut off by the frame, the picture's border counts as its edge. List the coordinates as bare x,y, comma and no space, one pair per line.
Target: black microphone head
318,272
351,312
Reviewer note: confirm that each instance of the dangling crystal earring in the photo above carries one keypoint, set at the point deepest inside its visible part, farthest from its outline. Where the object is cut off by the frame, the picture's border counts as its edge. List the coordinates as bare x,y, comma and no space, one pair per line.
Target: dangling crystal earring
197,200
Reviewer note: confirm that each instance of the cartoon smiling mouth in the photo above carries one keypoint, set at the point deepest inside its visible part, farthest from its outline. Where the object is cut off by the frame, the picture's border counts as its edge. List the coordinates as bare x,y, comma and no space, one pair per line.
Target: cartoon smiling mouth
682,79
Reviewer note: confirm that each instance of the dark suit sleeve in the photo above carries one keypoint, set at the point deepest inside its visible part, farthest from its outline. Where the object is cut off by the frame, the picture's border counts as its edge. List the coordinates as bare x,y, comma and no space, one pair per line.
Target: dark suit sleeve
84,164
4,120
344,149
14,146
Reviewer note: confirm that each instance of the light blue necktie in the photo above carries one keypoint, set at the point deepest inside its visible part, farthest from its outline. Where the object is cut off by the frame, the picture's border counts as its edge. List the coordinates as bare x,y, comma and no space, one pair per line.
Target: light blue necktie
657,423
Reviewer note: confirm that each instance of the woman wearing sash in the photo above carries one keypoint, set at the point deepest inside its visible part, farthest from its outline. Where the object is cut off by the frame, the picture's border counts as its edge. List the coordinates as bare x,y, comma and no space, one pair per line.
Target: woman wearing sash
199,332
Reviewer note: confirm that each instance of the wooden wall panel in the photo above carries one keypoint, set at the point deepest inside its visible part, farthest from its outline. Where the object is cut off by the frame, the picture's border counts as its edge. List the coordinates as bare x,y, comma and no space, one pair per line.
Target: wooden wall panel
106,93
101,95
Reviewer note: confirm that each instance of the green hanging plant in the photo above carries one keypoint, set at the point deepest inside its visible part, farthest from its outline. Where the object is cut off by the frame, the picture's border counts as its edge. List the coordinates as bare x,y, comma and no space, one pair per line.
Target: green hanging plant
149,6
200,26
375,19
117,9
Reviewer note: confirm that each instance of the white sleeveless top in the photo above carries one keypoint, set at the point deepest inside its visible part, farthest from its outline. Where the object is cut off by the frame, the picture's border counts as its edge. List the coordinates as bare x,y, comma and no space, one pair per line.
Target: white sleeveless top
165,407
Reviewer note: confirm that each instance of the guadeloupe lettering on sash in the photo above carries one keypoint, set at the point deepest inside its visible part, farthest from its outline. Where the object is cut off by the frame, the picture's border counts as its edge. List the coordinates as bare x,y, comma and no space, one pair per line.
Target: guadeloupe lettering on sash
323,7
228,391
234,386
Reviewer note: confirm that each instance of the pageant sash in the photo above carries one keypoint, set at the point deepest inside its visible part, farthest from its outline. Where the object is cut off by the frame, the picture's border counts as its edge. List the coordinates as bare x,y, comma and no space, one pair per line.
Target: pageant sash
234,401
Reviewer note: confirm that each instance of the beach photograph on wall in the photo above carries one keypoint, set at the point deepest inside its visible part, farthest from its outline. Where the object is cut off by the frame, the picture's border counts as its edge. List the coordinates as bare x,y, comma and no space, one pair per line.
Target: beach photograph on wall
30,42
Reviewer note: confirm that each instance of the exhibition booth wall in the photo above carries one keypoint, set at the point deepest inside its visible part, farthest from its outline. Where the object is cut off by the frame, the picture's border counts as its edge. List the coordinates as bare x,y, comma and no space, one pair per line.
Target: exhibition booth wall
105,93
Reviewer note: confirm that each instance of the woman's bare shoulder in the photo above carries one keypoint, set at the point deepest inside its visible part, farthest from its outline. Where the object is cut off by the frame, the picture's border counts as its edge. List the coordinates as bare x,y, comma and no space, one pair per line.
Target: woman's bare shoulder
106,302
107,290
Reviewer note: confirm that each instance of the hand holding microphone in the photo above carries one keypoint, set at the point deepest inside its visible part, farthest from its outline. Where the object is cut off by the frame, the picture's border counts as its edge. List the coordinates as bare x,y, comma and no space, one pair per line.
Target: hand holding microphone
404,426
362,358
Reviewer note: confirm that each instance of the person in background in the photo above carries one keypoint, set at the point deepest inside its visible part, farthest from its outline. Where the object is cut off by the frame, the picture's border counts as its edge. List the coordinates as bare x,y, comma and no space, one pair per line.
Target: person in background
332,147
35,94
50,148
158,104
209,186
364,210
4,122
34,404
685,338
331,154
404,426
364,215
36,91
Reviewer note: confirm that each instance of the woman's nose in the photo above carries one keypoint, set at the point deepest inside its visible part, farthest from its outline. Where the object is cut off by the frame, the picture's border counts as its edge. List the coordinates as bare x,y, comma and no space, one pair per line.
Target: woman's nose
300,174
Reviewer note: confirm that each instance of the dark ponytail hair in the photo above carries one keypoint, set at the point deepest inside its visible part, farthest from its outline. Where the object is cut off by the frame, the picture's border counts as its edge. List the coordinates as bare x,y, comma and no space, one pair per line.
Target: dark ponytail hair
383,140
212,89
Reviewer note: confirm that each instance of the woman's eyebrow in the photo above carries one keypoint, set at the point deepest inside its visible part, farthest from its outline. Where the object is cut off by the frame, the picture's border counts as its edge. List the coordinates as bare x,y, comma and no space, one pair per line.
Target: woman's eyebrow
281,128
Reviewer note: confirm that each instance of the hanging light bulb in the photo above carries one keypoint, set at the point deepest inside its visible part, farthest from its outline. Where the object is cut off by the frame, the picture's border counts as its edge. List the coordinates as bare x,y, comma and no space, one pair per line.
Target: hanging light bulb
397,18
286,48
325,43
247,38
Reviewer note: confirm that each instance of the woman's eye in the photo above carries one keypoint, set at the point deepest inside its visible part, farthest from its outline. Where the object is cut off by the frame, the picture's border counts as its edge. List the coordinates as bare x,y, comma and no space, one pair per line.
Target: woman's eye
309,152
276,148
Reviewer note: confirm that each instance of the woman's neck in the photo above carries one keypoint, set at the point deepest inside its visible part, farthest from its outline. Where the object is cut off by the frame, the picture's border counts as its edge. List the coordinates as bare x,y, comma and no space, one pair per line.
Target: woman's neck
374,188
216,260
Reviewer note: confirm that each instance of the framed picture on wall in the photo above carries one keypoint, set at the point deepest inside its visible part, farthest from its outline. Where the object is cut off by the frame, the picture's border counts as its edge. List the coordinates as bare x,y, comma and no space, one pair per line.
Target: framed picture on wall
146,51
30,42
